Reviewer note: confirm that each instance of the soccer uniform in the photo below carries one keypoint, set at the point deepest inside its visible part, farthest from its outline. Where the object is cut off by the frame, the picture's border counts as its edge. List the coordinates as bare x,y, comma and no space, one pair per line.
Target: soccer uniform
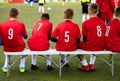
84,4
12,33
94,30
40,35
66,32
41,6
113,35
41,2
106,9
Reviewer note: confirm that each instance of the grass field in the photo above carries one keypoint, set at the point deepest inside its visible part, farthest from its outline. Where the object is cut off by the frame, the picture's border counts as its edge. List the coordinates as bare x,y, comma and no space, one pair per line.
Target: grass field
29,15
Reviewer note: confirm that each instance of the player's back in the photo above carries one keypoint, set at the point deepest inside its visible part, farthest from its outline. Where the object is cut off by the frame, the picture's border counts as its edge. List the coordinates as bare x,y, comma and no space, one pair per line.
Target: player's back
113,35
67,32
94,29
12,31
40,40
106,8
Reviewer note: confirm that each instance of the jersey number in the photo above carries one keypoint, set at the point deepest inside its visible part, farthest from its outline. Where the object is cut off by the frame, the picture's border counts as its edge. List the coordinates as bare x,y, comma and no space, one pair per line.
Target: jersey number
40,24
99,32
107,30
67,37
10,33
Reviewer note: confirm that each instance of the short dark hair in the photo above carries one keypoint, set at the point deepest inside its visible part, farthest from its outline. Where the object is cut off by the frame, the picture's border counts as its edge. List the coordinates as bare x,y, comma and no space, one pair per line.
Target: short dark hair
13,12
45,16
117,12
68,13
93,8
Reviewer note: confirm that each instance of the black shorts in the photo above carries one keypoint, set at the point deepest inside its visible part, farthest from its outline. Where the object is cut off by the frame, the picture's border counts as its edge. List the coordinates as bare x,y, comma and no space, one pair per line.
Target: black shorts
85,7
41,4
31,0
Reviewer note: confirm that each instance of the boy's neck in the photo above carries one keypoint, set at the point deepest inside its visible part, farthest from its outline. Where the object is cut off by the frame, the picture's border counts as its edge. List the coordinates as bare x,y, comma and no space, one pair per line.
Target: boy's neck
67,19
92,15
11,18
118,18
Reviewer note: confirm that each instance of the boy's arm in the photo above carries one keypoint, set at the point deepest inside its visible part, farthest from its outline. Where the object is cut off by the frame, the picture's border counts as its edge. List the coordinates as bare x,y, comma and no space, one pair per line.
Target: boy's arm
0,41
54,35
84,32
49,37
0,35
50,31
24,33
53,39
25,37
84,38
77,40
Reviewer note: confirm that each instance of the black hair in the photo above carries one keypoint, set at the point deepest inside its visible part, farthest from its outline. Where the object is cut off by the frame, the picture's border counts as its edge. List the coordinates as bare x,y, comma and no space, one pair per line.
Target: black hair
117,12
68,13
45,16
13,12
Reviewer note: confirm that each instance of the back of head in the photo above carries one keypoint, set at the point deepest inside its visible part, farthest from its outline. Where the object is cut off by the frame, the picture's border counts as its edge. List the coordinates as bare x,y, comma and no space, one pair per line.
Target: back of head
117,12
13,12
93,8
45,16
68,13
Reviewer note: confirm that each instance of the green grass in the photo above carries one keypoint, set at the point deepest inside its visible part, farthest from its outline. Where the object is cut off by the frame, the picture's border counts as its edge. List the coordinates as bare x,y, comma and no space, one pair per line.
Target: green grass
29,15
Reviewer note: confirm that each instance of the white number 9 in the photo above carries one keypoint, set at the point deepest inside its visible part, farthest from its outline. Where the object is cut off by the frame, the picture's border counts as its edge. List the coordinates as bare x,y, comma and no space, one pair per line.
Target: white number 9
10,33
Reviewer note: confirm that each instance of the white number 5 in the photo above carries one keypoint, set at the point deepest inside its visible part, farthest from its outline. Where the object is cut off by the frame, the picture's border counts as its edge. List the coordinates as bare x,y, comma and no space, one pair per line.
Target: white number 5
67,37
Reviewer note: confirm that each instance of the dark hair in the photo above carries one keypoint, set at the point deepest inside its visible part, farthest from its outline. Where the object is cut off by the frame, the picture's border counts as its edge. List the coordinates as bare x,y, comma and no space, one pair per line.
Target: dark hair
117,12
93,8
13,12
68,13
45,16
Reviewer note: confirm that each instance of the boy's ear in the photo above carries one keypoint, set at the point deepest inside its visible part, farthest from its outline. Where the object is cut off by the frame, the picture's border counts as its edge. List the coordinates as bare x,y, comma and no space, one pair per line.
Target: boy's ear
8,15
63,16
17,16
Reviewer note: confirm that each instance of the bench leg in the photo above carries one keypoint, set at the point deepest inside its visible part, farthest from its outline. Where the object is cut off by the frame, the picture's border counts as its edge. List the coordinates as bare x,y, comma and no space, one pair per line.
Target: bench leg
112,64
8,64
60,66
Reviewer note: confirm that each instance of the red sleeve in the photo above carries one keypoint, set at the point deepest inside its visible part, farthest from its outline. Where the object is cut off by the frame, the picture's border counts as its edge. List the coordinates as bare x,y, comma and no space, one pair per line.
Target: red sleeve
50,29
0,32
55,33
78,33
98,1
24,33
118,4
84,29
112,5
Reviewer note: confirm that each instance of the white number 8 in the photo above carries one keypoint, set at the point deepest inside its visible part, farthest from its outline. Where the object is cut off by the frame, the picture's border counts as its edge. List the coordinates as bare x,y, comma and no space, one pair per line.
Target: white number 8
10,33
99,32
67,36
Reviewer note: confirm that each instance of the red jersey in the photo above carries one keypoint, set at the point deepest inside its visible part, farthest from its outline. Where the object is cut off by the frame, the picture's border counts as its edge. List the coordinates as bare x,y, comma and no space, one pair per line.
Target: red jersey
39,39
113,35
66,32
118,3
94,29
106,8
12,33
